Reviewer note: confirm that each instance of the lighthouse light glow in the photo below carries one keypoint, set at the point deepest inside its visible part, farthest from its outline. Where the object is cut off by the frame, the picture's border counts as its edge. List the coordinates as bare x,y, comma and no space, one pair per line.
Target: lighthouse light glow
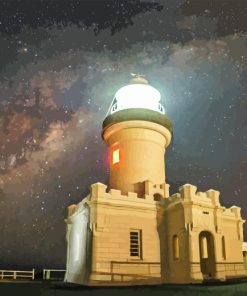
137,95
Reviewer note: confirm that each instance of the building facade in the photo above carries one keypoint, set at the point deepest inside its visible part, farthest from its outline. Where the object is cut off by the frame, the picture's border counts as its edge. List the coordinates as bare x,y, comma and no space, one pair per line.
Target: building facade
136,232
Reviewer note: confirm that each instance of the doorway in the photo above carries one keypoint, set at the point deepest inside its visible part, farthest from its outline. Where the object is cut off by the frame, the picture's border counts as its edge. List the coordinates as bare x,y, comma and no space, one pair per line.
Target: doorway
207,255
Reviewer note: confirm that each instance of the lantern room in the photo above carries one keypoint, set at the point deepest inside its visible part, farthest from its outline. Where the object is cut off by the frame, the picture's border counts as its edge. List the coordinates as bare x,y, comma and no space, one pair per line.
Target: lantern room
137,94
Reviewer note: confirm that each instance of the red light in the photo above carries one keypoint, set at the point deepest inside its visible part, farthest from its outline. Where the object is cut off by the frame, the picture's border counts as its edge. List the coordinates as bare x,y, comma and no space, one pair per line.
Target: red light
115,156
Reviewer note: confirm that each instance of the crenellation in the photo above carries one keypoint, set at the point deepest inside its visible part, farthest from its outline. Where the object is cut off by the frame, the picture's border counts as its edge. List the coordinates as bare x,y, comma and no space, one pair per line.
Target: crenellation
148,187
97,190
229,212
151,189
165,187
201,194
132,194
148,197
115,192
187,191
236,210
214,196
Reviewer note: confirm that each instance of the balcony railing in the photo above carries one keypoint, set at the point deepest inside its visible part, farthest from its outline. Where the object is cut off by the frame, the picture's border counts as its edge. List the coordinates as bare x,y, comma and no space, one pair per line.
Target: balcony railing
116,107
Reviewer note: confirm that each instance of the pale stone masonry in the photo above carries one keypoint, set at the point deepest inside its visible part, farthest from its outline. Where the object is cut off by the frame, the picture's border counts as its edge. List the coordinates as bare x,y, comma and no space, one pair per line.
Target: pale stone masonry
116,215
201,212
135,232
185,214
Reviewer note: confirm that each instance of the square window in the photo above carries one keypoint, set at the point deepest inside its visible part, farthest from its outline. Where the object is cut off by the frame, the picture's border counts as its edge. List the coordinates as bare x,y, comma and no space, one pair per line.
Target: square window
135,244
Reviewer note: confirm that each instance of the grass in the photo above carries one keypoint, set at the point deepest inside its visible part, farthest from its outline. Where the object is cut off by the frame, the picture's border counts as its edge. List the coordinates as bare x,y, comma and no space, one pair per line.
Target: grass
46,288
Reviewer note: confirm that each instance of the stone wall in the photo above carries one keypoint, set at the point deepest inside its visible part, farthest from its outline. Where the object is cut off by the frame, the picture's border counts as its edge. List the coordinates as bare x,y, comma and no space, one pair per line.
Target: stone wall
201,212
113,216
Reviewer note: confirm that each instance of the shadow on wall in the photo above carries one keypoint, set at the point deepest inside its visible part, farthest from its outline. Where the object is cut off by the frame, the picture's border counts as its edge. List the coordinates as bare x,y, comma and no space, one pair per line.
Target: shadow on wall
163,238
174,243
207,254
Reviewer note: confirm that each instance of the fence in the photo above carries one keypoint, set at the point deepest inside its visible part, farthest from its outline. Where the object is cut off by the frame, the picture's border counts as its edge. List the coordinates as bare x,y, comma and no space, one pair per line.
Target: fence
14,274
122,270
47,274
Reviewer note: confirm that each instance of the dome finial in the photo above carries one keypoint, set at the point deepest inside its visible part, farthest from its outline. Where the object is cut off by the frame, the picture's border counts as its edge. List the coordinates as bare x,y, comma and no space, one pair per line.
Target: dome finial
138,79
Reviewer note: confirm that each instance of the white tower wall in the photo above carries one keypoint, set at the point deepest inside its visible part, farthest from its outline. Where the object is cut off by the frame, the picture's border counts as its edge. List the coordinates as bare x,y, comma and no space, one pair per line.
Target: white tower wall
78,245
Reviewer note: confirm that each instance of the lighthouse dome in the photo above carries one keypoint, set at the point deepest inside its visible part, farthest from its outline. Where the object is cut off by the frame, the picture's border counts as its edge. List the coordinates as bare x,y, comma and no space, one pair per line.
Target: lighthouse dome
137,94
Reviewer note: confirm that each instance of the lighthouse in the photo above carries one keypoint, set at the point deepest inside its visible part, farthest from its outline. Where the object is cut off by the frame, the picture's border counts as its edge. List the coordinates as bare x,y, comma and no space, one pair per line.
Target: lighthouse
137,132
133,231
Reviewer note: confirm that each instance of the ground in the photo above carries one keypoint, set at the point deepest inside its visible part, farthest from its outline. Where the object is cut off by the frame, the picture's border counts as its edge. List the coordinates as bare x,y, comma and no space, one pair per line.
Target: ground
45,288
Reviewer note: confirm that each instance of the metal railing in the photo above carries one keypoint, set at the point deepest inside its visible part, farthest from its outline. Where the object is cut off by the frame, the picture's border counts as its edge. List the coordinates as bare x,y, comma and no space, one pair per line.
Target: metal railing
14,274
47,274
116,107
145,274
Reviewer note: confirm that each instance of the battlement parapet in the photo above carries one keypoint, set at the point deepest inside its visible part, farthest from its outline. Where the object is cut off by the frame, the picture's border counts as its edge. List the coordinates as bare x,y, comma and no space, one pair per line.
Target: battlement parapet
97,190
214,195
115,192
151,192
237,211
132,195
208,199
201,194
151,189
189,192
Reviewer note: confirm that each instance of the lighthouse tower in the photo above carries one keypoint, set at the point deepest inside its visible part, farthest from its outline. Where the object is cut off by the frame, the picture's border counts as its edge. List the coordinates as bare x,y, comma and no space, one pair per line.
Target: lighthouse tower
117,234
134,231
137,132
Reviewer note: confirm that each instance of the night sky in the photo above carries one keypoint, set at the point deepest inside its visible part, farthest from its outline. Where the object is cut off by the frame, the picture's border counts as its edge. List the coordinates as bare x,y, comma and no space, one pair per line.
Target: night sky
61,63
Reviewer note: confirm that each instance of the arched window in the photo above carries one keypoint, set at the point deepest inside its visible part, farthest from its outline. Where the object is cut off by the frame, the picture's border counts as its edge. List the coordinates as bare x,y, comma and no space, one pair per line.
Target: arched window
175,247
204,247
157,197
223,246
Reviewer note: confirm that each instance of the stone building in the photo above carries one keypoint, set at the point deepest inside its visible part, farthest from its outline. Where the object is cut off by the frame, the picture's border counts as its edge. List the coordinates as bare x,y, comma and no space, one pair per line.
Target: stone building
136,232
245,256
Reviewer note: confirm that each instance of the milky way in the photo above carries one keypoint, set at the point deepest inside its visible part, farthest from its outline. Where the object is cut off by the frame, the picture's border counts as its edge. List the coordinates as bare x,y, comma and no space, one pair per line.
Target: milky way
60,67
